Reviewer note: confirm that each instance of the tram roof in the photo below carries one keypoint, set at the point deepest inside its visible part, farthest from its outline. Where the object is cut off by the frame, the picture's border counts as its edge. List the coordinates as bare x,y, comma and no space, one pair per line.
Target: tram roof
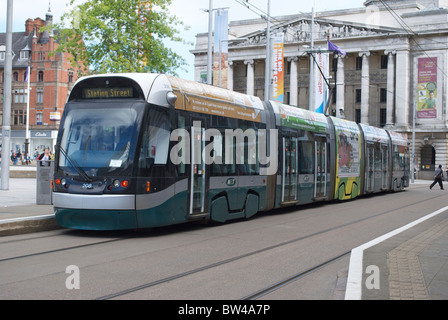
298,118
199,97
398,138
374,134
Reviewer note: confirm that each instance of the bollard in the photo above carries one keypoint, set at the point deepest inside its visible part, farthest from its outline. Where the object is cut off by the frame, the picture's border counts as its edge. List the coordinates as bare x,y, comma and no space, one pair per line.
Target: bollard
44,175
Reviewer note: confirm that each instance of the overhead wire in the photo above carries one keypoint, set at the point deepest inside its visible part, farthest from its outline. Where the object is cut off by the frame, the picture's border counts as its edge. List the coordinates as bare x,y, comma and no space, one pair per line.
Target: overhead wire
265,15
412,34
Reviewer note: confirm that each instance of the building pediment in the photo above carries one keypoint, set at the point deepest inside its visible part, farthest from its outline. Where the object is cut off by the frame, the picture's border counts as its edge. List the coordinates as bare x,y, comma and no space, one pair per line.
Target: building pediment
299,30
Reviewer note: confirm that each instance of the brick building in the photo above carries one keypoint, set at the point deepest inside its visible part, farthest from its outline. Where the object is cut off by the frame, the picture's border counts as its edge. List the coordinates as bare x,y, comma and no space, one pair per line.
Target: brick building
51,80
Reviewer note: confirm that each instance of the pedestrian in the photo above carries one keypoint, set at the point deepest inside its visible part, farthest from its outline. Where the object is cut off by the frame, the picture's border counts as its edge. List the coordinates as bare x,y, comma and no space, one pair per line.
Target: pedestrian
44,158
438,175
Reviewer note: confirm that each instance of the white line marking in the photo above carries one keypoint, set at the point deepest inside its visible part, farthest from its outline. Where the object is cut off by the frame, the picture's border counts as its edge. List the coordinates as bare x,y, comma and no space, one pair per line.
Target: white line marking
354,285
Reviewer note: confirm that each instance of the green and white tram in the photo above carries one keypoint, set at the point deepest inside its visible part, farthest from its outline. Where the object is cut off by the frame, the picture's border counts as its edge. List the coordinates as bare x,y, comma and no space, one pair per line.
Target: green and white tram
147,150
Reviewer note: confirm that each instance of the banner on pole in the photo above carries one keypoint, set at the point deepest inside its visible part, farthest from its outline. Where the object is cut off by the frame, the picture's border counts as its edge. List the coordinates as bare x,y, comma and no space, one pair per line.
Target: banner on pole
320,86
221,45
278,69
427,88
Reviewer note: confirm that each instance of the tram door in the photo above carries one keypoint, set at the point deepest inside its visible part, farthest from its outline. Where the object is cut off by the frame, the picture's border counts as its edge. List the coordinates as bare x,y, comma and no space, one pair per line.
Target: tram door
321,167
370,173
290,170
385,171
198,169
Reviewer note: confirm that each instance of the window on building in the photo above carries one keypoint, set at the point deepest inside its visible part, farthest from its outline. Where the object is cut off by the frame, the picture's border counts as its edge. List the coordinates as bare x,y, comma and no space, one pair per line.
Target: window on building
40,76
70,76
334,65
15,76
40,95
383,95
24,54
22,98
358,63
39,117
383,117
384,61
357,115
19,117
41,56
358,95
20,95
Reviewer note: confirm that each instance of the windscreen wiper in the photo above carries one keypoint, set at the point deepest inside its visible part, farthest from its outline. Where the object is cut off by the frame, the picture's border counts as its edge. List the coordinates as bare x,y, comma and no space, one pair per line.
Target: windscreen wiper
74,164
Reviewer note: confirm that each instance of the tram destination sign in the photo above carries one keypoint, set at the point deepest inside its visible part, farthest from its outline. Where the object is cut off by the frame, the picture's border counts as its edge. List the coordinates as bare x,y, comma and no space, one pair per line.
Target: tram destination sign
107,93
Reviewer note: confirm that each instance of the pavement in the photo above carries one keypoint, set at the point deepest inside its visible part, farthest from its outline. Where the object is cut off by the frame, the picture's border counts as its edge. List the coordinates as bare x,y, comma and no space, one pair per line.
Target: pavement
19,212
410,263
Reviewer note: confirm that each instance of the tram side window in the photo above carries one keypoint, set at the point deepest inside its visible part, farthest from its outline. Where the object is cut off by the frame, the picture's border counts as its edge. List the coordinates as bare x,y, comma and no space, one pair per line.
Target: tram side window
398,161
378,157
183,140
248,162
155,145
306,157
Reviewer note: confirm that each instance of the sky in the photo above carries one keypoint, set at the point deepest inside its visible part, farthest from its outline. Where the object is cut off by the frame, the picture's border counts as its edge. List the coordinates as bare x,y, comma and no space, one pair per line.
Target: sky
189,11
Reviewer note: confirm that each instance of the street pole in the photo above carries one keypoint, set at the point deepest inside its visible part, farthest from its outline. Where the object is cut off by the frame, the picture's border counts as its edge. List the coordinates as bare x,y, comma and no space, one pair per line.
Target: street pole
311,89
209,52
27,131
6,124
268,69
220,59
413,144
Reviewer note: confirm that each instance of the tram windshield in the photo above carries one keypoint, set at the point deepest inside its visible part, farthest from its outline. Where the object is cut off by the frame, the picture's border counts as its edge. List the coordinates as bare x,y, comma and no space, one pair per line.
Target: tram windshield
100,140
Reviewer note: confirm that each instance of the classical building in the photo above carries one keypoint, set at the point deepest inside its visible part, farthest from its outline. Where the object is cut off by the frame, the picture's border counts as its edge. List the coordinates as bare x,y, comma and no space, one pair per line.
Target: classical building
51,80
396,61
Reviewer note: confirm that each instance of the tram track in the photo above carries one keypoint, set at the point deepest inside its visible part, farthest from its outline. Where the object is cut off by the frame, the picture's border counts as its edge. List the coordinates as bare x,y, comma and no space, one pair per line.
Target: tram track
274,286
59,250
280,284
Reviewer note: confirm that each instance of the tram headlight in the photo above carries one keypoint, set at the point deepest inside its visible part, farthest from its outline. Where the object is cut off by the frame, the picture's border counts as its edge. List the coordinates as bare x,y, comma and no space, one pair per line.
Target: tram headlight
117,183
63,182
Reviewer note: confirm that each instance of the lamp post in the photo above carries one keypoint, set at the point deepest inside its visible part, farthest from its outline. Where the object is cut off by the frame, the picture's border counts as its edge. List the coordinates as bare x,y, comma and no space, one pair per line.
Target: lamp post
210,42
413,143
268,69
209,50
27,130
311,89
6,127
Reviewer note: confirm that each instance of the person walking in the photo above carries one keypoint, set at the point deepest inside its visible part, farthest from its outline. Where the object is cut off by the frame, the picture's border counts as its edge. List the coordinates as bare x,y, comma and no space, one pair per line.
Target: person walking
438,175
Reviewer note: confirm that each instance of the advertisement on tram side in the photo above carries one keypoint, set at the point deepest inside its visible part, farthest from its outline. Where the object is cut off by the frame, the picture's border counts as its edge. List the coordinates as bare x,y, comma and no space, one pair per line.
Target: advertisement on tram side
348,146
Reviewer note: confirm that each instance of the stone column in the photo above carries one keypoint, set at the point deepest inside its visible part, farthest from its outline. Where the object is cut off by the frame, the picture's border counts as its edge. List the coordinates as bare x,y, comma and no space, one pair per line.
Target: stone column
402,89
340,88
294,81
365,89
390,87
250,86
230,76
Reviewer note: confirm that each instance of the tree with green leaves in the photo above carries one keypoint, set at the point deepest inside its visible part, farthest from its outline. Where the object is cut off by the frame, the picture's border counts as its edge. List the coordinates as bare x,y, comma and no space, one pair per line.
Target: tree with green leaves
121,36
